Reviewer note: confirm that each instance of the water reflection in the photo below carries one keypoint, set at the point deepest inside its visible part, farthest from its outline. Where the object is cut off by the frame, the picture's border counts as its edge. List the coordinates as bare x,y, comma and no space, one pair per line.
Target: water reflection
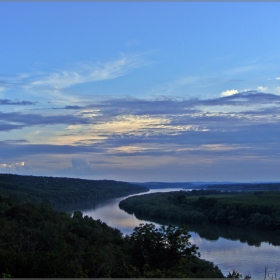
112,215
214,232
247,251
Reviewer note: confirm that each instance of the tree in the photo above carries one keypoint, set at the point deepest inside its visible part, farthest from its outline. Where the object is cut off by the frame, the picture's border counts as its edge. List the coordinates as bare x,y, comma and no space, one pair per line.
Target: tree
160,248
234,274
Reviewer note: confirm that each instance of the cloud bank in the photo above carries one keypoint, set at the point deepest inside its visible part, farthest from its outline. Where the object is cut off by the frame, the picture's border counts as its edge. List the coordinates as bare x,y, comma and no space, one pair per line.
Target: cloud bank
106,137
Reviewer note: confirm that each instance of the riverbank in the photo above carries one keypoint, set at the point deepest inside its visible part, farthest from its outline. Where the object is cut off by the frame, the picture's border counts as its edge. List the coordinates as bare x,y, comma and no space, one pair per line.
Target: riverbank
258,210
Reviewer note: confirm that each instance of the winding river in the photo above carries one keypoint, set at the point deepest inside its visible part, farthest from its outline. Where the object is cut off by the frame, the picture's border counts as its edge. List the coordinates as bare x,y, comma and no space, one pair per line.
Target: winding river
247,251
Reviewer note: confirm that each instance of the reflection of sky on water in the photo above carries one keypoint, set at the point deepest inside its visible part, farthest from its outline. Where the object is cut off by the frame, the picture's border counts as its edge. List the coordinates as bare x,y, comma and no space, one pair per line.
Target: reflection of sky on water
111,214
229,255
226,254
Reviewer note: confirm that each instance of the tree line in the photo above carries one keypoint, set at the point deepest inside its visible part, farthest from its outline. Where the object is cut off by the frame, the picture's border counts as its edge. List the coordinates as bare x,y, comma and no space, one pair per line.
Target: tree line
246,187
258,210
59,191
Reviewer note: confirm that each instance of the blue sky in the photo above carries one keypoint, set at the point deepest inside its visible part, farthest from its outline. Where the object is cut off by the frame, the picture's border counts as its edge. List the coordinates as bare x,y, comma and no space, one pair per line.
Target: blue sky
157,91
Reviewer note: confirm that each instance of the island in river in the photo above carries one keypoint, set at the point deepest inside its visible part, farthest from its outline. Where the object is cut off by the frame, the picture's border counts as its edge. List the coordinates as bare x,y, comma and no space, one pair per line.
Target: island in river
256,210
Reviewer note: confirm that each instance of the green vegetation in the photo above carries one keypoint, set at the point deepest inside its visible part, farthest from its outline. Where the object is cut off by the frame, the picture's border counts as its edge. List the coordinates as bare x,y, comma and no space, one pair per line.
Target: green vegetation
258,210
58,191
36,241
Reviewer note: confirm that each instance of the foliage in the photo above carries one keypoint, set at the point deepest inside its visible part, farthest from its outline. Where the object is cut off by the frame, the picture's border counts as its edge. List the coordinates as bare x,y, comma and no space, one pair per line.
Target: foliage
259,210
234,274
167,252
60,191
36,241
160,247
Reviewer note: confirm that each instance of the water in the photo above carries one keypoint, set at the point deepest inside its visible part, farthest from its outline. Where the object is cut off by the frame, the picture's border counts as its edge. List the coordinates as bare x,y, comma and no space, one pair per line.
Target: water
249,252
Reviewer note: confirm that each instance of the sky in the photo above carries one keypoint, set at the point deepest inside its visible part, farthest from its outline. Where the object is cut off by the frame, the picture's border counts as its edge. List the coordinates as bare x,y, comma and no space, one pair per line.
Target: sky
141,91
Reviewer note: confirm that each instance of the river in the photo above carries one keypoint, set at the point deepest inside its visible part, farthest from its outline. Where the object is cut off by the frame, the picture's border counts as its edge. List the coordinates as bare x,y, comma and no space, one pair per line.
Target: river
249,252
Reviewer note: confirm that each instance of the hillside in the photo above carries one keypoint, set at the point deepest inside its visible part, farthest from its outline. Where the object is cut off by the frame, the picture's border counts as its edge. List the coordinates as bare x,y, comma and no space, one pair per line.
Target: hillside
57,191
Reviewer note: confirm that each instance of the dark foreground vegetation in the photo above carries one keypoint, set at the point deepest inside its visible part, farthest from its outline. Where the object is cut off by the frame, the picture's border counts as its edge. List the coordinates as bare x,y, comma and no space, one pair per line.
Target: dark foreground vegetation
36,241
60,191
258,210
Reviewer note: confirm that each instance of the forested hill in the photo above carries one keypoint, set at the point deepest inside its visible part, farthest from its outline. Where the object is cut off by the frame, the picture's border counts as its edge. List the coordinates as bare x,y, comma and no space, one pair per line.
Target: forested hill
57,191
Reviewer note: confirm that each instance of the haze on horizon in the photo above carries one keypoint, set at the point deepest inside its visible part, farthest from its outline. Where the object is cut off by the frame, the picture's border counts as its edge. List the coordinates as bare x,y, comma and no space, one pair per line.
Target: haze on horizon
158,91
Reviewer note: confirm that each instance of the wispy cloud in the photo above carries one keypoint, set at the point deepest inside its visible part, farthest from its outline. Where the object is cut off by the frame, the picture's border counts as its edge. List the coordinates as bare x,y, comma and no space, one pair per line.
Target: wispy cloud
91,73
53,84
15,120
10,102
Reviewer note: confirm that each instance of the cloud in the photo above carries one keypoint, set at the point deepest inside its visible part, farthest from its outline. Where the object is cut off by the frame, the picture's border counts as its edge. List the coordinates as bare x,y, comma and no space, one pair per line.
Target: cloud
55,86
81,166
75,107
262,89
229,92
79,163
11,166
90,73
15,120
244,99
140,116
114,129
10,102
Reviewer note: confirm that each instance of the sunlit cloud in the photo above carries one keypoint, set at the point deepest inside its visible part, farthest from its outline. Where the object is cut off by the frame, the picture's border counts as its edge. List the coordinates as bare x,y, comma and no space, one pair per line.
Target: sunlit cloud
130,123
130,149
262,89
132,133
15,165
229,92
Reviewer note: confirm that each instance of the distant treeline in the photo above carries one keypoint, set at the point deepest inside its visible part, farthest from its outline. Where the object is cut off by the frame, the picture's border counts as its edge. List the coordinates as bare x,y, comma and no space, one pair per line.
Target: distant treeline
58,191
38,242
258,210
249,187
160,185
246,187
